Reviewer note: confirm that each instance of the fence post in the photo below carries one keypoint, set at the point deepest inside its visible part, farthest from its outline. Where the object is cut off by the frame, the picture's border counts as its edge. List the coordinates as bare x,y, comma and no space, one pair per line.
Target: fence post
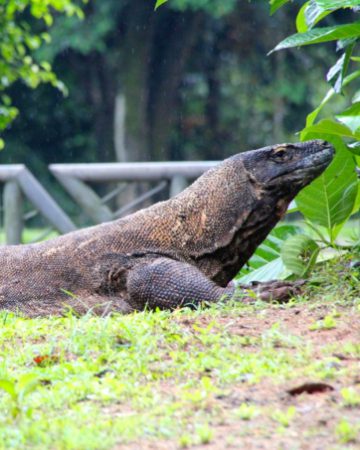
178,184
13,212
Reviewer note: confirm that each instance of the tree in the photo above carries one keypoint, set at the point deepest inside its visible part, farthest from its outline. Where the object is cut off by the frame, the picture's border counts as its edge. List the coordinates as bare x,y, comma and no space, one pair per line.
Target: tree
20,36
188,81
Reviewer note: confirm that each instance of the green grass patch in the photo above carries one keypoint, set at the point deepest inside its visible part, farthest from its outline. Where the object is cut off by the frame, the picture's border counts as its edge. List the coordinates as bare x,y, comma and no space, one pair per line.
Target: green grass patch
93,383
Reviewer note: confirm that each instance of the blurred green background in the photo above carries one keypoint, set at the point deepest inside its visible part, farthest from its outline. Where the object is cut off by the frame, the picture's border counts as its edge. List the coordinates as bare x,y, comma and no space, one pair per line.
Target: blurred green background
189,81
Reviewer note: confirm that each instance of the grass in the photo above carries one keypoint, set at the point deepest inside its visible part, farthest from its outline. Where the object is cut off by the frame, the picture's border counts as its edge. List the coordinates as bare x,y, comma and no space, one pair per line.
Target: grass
30,235
186,378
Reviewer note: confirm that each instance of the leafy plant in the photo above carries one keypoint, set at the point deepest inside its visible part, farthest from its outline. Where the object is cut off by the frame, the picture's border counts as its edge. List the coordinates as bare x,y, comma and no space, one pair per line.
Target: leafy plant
18,390
346,432
19,41
327,323
247,411
343,130
285,417
334,197
205,434
267,263
351,397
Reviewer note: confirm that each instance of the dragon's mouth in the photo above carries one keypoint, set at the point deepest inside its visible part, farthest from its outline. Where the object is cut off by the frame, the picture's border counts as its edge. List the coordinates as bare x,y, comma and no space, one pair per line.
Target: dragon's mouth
310,167
314,165
319,160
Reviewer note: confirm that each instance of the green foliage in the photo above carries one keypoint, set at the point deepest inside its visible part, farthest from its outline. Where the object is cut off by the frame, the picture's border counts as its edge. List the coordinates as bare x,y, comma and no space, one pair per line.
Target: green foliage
19,39
333,197
346,432
247,411
284,418
276,4
159,3
327,323
131,381
18,390
319,35
299,254
215,7
267,264
329,200
351,397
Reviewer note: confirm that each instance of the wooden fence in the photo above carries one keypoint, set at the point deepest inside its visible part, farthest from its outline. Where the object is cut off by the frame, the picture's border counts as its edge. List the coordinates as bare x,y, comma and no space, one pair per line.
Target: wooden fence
19,183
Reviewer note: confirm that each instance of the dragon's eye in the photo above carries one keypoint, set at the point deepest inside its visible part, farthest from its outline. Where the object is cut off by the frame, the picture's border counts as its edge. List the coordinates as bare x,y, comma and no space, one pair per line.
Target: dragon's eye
280,154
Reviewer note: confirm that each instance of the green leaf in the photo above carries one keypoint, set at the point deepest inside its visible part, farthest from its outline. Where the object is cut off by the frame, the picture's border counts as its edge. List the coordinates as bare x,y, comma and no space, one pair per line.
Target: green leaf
356,207
329,200
2,144
299,254
27,383
356,97
159,3
9,387
310,119
301,25
328,126
337,3
321,34
276,4
354,148
309,15
336,68
273,270
339,69
266,263
351,117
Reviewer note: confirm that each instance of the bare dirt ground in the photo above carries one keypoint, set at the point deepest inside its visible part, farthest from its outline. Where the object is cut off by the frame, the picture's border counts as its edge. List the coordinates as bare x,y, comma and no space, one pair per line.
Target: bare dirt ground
316,416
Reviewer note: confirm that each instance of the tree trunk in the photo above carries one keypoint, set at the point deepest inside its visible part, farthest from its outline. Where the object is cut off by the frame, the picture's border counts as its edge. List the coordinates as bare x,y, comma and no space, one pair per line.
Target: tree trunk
101,94
173,42
134,75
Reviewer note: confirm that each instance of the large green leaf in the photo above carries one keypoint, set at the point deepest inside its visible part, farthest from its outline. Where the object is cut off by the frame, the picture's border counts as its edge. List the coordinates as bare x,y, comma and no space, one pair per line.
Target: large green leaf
9,387
266,263
273,270
315,10
356,207
334,4
159,3
276,4
321,34
354,148
328,126
299,254
337,73
329,200
351,117
309,15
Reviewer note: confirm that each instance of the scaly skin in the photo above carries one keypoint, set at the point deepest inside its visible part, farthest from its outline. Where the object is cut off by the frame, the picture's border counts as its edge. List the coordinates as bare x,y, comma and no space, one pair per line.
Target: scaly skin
182,251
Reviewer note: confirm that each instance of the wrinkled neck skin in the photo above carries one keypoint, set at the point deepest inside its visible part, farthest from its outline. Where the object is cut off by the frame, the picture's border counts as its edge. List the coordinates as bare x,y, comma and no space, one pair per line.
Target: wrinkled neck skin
259,208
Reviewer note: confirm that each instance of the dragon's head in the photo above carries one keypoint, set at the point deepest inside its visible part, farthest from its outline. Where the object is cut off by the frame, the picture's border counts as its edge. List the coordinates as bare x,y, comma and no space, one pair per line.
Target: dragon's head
291,166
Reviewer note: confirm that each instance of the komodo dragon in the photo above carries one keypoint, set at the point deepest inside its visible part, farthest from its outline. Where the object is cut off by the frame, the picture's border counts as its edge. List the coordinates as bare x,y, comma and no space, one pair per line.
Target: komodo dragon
182,251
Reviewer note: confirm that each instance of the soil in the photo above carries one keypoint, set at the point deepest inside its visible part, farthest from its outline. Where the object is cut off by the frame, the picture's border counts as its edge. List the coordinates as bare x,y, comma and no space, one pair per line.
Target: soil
319,407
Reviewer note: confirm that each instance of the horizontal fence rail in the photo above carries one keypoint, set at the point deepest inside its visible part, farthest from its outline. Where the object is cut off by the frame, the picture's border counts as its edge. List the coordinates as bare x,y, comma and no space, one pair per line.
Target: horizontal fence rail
140,171
171,176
